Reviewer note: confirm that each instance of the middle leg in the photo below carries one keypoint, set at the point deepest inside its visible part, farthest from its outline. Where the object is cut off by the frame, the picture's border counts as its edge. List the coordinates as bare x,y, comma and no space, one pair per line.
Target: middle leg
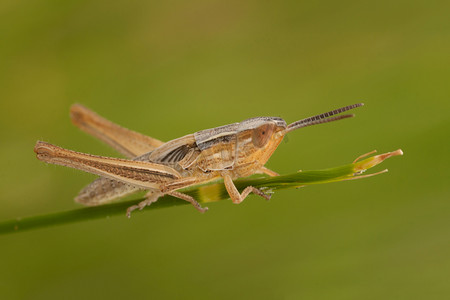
150,197
153,196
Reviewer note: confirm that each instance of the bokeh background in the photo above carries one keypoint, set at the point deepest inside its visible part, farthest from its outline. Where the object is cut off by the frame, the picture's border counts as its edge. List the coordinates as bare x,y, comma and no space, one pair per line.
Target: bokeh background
169,68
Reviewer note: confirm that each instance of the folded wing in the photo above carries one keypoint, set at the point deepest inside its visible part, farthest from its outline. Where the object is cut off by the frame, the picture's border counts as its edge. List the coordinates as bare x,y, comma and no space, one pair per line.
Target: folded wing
127,142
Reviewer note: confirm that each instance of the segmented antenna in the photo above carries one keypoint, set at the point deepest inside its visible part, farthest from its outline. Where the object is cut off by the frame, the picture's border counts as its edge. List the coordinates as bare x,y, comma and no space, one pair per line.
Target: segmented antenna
323,118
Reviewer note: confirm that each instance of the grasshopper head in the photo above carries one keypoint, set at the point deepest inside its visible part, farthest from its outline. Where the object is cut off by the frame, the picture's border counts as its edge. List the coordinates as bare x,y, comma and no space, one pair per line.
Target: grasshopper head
265,130
257,138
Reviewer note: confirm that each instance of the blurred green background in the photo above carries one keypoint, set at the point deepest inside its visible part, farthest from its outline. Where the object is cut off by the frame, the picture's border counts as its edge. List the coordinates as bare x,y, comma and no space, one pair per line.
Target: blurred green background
169,68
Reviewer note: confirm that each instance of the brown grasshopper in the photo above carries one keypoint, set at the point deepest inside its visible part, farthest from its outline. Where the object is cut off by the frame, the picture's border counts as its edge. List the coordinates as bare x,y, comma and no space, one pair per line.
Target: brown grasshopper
228,152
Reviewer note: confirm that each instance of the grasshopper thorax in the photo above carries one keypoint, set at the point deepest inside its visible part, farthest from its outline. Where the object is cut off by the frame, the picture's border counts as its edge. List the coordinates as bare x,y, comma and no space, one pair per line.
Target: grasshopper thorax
239,145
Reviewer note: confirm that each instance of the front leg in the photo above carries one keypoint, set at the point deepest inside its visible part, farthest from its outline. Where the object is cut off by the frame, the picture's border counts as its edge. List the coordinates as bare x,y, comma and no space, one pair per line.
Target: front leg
237,197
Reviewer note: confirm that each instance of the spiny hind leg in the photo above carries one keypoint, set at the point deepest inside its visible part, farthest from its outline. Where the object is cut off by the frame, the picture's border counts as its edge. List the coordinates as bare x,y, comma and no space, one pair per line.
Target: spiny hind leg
237,197
150,197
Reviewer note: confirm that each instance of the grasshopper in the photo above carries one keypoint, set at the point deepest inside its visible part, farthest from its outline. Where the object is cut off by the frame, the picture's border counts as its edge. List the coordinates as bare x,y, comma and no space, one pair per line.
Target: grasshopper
228,152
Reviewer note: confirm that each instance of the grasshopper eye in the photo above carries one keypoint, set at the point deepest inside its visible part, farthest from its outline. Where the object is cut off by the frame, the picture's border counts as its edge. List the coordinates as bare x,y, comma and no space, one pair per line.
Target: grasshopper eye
262,134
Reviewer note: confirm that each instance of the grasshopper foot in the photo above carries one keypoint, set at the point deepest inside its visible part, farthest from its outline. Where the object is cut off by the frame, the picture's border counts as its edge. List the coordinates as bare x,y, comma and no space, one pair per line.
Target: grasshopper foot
256,191
238,198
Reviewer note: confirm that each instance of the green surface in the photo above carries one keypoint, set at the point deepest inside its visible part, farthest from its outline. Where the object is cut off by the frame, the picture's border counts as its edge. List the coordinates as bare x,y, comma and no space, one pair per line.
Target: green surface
171,68
203,193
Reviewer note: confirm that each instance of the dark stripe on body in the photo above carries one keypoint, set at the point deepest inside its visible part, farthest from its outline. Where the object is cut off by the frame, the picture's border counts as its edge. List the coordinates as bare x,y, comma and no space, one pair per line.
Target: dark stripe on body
221,139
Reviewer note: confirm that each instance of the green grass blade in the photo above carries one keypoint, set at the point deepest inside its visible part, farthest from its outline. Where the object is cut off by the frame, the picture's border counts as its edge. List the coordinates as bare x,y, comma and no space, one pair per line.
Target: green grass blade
211,192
